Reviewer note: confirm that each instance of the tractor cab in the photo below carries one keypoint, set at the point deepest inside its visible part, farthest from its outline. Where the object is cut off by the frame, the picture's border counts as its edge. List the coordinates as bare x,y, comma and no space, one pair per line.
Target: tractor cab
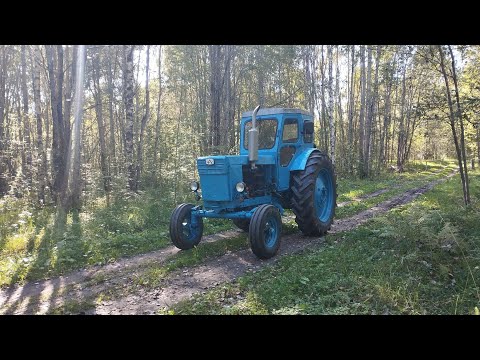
278,167
282,133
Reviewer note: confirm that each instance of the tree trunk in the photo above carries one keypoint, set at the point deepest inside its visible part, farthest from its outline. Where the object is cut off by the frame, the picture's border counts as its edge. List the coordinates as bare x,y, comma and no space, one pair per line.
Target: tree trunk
60,140
372,112
369,115
350,114
478,143
26,123
3,140
361,126
387,112
100,123
74,160
260,75
393,121
215,93
129,116
323,120
227,101
462,130
331,121
308,79
112,156
143,124
232,90
413,127
19,145
401,128
339,109
41,158
69,83
452,125
158,124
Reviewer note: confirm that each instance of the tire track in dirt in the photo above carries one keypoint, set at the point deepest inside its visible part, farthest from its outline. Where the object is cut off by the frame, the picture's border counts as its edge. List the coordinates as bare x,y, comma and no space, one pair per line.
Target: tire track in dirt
41,296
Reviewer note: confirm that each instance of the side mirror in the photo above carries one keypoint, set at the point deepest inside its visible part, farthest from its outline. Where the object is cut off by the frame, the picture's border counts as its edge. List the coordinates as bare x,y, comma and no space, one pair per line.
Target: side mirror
308,127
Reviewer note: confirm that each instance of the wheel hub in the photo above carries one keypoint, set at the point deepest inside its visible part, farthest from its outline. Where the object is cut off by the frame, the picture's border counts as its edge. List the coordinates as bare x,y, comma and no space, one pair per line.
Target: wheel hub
270,232
323,195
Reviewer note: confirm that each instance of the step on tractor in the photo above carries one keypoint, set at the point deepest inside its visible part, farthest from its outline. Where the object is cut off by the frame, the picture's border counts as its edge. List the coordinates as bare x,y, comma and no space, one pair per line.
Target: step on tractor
278,168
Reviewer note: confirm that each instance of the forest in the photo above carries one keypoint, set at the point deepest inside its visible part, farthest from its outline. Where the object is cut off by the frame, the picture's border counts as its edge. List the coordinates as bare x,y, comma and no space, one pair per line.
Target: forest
98,144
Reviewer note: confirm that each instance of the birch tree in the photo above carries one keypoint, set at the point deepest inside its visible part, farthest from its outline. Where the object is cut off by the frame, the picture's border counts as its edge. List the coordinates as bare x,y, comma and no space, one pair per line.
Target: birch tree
128,88
74,160
145,119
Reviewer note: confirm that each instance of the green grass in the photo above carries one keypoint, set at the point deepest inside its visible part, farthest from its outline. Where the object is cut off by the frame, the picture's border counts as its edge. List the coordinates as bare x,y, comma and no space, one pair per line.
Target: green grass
422,258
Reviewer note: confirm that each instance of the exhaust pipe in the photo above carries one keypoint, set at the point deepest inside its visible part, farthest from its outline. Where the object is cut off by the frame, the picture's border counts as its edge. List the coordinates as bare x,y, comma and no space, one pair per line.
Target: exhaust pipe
253,140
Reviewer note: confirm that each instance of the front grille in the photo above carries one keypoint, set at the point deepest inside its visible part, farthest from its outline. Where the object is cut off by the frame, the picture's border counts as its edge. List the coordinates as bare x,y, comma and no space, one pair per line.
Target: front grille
219,167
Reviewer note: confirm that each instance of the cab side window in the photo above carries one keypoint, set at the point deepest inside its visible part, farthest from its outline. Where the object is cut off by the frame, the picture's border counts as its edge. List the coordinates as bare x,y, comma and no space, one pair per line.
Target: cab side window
308,131
290,131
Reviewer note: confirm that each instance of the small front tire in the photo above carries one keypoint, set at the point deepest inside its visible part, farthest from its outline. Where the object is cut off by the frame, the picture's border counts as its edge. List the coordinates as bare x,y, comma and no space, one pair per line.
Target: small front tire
182,232
265,231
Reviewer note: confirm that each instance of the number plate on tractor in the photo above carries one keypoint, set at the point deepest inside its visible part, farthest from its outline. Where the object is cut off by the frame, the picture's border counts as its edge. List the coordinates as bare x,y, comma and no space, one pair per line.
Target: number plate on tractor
210,161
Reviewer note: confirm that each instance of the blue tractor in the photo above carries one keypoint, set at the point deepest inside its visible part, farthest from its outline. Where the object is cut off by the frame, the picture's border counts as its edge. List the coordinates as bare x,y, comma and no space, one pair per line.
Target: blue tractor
278,168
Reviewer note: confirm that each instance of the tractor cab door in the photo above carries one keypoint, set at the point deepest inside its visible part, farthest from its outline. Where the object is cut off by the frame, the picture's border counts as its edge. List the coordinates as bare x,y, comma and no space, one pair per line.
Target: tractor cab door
288,148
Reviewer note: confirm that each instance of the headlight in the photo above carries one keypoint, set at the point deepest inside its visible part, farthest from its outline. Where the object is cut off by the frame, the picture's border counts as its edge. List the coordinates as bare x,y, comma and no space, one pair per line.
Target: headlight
194,185
240,187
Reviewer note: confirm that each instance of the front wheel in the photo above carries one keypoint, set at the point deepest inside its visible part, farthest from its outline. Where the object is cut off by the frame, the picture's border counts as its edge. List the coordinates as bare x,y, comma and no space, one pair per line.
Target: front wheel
183,233
265,231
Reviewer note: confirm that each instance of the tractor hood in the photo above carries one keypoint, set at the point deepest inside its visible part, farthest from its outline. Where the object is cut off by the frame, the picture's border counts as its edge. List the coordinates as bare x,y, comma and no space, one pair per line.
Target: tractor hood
220,173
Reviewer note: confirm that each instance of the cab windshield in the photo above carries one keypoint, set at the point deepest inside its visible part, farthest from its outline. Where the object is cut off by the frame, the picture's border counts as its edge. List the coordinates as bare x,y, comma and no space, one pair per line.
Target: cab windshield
267,132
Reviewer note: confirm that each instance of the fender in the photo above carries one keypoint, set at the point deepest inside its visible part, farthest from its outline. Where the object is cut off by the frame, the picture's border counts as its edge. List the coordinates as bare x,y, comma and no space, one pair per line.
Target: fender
301,160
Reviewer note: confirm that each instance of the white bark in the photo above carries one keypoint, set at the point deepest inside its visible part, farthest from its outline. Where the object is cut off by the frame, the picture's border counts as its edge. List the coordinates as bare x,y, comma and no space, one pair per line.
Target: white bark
331,121
74,160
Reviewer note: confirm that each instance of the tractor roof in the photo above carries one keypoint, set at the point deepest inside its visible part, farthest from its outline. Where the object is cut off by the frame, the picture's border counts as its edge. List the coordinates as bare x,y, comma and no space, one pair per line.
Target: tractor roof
274,111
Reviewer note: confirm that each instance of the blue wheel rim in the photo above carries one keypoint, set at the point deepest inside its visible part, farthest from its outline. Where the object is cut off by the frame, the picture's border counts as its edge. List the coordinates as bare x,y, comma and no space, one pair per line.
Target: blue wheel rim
188,231
271,232
324,195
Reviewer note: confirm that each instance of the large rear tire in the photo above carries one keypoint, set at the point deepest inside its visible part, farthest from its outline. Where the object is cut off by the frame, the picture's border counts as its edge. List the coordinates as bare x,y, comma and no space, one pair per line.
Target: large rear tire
265,231
243,224
182,233
315,195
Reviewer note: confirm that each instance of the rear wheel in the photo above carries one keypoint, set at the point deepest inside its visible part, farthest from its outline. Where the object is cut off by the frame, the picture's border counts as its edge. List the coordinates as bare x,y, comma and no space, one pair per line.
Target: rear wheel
265,231
243,224
314,195
183,233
